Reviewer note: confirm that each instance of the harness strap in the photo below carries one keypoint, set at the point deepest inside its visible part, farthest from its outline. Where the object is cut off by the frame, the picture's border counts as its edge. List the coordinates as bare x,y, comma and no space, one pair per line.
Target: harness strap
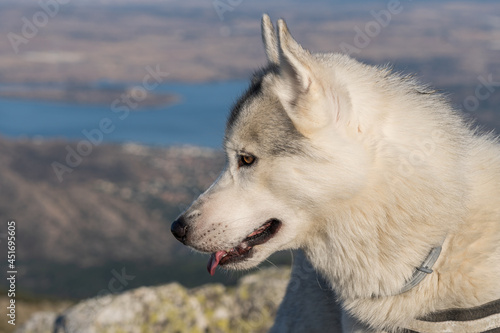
481,319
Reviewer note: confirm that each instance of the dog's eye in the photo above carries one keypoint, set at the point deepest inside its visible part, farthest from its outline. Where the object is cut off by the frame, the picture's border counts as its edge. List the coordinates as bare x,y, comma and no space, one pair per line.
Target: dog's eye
245,160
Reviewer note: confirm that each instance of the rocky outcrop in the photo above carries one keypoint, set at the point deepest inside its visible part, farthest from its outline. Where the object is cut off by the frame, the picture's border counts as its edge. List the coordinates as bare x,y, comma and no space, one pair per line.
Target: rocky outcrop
248,307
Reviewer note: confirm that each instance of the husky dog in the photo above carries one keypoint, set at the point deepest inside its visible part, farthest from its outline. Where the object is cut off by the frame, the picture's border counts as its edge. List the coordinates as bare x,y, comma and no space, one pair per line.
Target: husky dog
393,201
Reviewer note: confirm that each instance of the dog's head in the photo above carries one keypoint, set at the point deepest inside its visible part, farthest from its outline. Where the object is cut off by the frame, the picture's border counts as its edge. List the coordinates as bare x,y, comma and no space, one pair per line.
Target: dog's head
288,157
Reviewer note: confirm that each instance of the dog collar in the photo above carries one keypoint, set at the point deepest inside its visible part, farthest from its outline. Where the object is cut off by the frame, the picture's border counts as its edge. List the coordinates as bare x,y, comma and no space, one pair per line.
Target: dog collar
422,271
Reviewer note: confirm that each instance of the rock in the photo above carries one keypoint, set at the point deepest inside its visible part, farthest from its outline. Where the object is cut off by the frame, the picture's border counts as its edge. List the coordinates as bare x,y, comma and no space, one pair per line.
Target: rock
249,307
40,322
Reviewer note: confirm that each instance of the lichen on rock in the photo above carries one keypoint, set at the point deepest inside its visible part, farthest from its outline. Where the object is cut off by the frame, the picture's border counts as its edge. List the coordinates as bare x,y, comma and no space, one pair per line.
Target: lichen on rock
249,307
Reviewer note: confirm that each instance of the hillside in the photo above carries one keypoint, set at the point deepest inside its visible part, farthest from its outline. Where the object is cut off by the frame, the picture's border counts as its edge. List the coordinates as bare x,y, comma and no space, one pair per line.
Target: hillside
113,203
113,210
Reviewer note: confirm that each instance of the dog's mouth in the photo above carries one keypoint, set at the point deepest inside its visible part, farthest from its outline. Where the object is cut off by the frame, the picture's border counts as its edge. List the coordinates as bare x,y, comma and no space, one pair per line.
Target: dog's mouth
244,250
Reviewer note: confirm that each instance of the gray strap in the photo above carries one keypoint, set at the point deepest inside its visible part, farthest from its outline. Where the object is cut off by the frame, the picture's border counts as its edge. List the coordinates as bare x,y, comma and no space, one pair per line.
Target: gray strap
422,271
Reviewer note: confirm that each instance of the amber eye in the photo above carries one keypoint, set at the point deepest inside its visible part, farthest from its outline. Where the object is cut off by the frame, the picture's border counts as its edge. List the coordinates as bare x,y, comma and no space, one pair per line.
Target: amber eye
245,160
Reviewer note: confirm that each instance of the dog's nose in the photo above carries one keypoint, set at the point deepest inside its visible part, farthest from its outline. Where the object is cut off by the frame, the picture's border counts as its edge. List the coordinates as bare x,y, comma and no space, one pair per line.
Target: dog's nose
179,229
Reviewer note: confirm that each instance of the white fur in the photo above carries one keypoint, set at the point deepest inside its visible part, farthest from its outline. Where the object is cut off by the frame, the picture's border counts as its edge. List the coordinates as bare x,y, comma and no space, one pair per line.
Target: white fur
388,174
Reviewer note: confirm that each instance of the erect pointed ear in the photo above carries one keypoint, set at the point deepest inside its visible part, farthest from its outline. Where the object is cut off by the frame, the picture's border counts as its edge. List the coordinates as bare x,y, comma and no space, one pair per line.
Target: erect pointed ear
270,40
301,93
294,60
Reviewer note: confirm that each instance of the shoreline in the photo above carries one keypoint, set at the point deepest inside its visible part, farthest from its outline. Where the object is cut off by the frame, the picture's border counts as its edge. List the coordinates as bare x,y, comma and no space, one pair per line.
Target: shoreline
89,95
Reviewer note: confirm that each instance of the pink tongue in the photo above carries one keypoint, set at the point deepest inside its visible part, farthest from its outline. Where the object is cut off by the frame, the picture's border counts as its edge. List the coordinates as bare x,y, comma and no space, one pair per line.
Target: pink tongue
214,261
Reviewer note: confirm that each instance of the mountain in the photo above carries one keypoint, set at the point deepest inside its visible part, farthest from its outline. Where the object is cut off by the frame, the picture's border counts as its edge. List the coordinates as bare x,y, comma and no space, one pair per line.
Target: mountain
112,210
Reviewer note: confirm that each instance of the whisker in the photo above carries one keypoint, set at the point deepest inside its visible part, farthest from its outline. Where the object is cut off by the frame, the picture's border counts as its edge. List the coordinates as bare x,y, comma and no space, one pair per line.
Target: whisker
272,263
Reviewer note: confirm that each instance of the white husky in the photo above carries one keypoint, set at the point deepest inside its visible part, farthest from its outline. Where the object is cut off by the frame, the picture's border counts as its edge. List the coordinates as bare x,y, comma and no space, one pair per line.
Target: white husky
393,200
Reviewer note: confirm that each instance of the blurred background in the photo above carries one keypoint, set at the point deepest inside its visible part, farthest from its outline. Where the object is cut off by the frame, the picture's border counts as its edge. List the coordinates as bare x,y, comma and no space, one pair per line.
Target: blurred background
112,114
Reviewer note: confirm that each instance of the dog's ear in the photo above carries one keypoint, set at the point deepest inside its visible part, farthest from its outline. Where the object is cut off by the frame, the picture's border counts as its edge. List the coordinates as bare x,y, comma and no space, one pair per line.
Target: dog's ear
270,40
294,60
298,89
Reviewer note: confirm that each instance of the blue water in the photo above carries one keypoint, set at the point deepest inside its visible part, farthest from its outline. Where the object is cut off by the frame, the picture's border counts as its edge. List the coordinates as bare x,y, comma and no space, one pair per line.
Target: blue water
197,119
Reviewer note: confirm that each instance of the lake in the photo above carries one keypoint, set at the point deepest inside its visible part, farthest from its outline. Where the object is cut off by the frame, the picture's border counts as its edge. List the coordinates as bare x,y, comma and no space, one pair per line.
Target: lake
197,119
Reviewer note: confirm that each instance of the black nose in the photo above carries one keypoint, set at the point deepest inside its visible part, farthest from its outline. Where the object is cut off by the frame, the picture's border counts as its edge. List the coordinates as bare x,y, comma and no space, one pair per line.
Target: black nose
179,229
